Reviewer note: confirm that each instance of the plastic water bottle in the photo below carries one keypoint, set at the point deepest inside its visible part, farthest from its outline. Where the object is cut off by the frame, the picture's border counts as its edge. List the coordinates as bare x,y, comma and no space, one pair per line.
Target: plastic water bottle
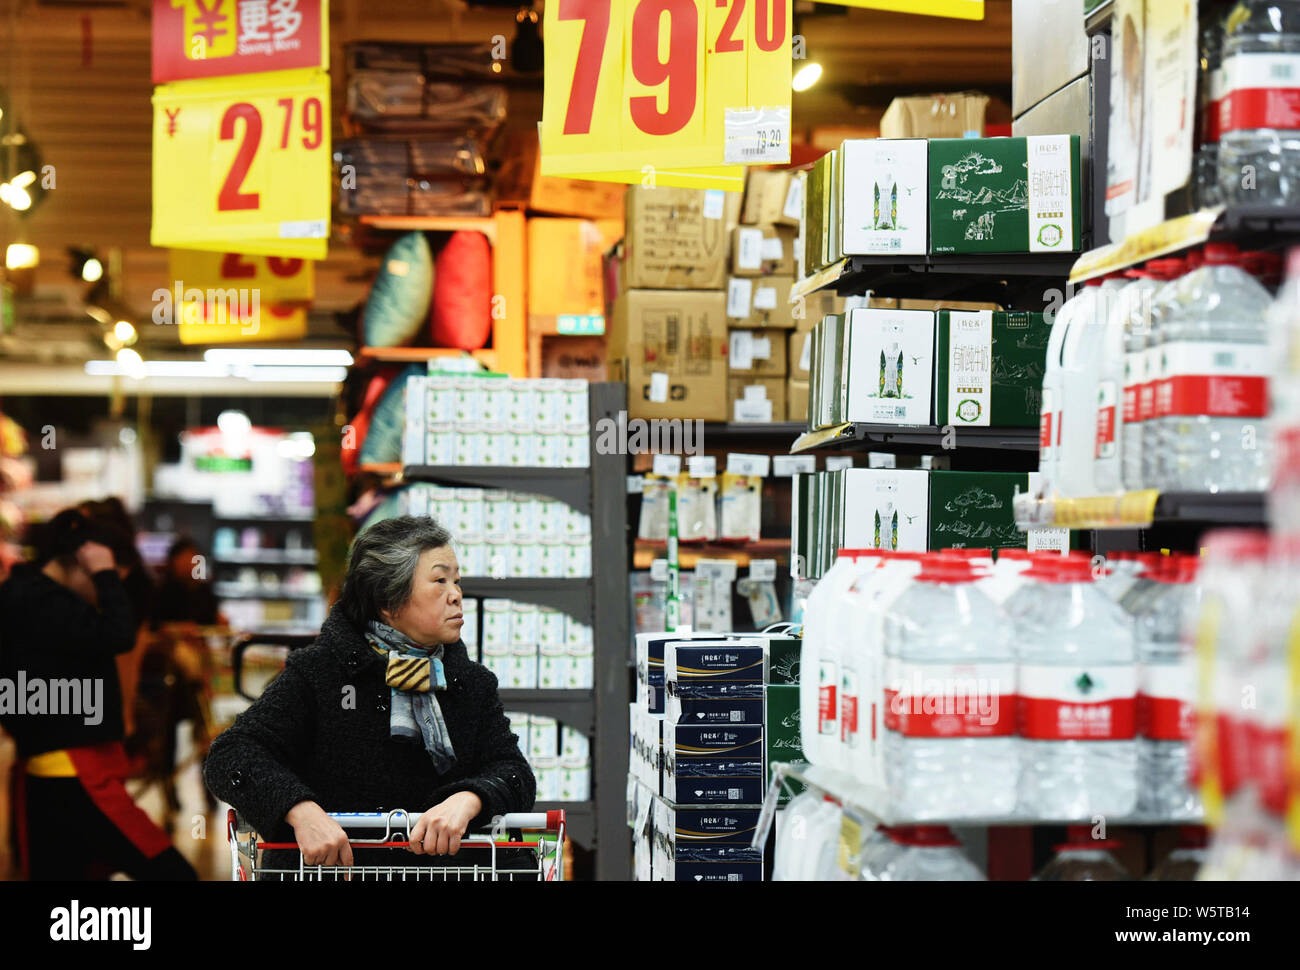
1081,858
1211,97
1259,144
1140,301
1165,304
846,608
950,718
1077,678
1102,363
792,834
877,849
1049,425
1284,351
1212,399
927,853
1080,360
1167,693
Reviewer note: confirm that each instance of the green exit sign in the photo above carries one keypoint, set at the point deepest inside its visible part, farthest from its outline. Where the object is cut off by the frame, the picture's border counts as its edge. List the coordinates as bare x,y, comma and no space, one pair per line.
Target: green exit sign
581,326
220,463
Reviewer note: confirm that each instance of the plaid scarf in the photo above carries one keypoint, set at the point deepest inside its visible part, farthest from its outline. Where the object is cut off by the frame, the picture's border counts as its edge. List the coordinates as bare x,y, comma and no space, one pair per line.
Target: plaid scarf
414,673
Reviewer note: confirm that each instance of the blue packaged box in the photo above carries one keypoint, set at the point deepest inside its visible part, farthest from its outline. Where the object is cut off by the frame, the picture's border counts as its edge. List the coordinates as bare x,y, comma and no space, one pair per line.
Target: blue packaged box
713,710
716,670
713,764
705,844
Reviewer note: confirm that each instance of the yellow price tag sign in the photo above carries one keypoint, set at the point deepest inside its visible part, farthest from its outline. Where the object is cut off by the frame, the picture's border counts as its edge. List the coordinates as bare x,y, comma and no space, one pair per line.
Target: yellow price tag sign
960,9
275,279
222,323
672,89
243,164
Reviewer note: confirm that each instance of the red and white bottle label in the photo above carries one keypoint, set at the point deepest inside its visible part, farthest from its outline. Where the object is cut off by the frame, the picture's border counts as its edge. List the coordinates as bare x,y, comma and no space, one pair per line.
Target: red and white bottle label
1134,369
1107,399
1078,703
1166,704
1213,378
1045,426
1210,117
827,698
1262,90
1150,378
849,708
950,700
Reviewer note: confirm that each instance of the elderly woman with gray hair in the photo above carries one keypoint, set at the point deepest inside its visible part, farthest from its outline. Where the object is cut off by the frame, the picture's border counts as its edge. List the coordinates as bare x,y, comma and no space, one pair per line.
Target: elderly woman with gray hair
385,710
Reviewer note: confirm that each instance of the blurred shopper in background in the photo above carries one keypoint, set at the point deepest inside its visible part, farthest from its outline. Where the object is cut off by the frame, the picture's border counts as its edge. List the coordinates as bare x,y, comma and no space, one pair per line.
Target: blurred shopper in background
64,619
185,595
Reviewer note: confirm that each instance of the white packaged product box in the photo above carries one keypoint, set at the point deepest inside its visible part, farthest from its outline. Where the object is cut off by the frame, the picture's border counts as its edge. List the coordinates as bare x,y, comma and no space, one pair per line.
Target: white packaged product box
496,516
496,625
552,666
521,449
553,558
578,563
547,773
497,659
440,393
889,367
522,413
523,625
494,449
469,629
524,516
470,521
548,401
551,515
886,508
469,447
574,745
440,445
577,447
519,726
442,504
523,561
550,627
885,205
575,410
495,401
498,559
473,558
575,781
577,523
550,448
523,667
543,737
581,669
468,403
414,430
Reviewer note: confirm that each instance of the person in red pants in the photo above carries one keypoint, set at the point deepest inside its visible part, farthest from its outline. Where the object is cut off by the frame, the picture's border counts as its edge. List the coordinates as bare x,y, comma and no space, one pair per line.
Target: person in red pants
63,621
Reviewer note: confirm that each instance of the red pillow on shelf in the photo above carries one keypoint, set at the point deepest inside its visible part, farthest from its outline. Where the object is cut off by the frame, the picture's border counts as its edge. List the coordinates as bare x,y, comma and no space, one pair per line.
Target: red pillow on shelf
360,424
462,292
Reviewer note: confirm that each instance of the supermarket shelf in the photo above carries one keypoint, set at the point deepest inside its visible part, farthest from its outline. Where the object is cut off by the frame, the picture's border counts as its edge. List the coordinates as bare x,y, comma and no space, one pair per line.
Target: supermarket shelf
688,554
579,819
483,224
757,429
876,437
1265,226
1100,18
304,517
302,557
571,707
232,591
1140,510
572,596
874,802
967,276
572,486
414,355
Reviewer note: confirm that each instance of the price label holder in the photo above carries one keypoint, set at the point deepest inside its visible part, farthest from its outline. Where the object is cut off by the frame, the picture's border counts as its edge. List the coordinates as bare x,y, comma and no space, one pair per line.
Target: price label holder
243,164
787,466
702,466
835,463
762,570
635,484
649,88
659,570
759,465
667,466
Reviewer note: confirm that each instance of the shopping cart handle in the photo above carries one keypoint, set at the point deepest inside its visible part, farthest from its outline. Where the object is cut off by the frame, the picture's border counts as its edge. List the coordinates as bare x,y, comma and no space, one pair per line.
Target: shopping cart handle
537,821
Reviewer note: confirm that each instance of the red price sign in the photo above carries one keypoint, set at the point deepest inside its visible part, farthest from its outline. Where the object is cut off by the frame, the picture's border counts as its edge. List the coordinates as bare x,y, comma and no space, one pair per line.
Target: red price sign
214,38
664,85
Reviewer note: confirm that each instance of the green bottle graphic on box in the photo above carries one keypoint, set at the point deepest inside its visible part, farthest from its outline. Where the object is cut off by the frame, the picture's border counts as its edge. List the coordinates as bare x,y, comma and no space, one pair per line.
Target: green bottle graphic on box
875,214
891,372
893,206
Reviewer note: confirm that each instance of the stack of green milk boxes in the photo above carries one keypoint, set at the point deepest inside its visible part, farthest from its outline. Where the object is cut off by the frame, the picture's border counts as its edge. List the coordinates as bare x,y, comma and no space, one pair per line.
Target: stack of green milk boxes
913,196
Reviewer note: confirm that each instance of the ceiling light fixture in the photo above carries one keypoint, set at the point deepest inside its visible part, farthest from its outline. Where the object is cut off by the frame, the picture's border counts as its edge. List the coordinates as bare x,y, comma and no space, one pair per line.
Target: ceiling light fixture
278,356
806,76
132,364
21,256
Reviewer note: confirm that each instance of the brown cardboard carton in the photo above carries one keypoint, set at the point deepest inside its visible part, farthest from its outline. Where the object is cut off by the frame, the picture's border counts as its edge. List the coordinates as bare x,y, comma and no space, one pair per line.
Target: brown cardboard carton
572,358
678,239
935,116
765,193
760,302
799,355
749,399
670,346
565,267
796,400
762,250
758,353
809,310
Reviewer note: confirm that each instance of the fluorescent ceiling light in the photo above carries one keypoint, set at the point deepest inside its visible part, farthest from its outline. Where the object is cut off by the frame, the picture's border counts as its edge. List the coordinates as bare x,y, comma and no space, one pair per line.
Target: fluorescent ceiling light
157,368
278,357
190,369
132,363
806,76
21,256
324,375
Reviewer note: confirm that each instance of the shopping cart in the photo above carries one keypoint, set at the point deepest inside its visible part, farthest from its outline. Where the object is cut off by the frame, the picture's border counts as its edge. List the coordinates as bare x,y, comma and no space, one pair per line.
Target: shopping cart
485,862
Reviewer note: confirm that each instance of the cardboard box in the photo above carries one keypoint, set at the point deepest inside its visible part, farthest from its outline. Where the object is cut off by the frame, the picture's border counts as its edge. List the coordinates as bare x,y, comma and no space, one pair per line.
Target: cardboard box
1005,195
714,710
564,267
799,356
796,400
756,353
520,181
713,764
756,399
732,669
1049,49
760,302
883,196
887,370
990,368
570,358
670,346
763,250
766,194
678,238
915,510
935,116
704,844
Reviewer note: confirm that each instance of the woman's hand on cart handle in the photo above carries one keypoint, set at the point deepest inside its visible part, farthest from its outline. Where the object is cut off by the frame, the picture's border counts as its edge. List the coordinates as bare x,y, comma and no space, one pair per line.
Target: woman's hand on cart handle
438,831
321,839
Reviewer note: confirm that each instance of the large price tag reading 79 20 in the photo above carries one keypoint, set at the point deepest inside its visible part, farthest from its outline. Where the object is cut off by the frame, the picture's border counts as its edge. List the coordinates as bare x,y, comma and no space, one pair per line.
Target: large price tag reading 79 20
243,164
665,84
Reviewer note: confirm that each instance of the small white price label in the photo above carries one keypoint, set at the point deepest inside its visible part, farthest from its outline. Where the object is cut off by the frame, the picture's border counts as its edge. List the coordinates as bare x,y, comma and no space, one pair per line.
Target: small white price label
762,570
741,356
759,465
1048,540
765,298
739,294
794,199
787,466
836,463
668,466
635,484
715,201
755,135
772,248
702,466
658,387
750,248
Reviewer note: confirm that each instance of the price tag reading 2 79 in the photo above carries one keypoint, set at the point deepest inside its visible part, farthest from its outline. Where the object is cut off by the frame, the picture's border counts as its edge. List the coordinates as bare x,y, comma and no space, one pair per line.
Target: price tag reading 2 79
631,83
243,163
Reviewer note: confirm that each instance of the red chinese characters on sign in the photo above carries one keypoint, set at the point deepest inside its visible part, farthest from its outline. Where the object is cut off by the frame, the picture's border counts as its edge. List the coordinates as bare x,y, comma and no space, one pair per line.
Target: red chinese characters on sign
215,38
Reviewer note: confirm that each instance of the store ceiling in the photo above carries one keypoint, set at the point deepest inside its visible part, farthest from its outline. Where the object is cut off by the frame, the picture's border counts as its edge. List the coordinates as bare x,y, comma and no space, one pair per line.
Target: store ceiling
78,77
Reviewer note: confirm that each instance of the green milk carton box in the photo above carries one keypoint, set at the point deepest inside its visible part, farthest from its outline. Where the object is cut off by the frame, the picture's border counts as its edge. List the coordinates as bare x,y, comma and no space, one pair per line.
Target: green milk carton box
989,368
1005,195
783,733
889,373
973,510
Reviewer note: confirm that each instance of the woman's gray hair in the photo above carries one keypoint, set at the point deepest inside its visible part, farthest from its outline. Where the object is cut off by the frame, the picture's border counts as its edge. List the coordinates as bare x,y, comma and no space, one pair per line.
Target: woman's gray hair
381,568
